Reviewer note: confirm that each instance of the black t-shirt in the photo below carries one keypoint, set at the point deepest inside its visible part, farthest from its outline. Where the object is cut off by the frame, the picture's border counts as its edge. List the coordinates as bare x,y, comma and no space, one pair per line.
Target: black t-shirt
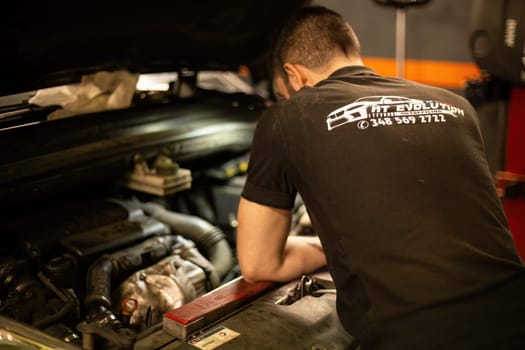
395,180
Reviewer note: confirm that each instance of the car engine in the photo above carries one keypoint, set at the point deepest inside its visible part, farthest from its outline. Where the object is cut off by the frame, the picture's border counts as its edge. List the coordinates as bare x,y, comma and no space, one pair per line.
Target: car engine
111,219
102,270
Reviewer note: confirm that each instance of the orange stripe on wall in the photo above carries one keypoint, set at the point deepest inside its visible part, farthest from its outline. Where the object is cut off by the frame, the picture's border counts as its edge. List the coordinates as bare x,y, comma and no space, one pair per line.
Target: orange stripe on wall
451,75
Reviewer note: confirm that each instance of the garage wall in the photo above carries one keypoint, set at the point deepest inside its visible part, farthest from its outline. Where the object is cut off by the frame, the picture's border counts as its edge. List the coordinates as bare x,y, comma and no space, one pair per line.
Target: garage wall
436,31
437,37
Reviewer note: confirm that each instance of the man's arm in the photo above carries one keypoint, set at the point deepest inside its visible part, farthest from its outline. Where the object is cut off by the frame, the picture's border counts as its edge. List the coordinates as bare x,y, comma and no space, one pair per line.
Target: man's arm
264,249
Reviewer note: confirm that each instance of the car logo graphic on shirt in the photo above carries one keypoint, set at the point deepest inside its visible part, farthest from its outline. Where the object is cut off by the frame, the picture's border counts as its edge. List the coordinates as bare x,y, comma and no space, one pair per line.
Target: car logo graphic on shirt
390,110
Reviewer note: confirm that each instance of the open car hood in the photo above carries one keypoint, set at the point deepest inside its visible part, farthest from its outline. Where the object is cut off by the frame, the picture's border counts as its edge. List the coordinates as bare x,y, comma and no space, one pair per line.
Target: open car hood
53,43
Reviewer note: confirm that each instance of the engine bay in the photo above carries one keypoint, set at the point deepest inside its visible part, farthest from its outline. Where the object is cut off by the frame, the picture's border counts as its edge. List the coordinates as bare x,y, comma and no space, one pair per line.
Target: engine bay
112,219
75,265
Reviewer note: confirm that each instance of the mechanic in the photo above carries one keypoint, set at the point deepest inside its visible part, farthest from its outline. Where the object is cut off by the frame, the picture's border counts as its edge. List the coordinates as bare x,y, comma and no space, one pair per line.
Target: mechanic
394,178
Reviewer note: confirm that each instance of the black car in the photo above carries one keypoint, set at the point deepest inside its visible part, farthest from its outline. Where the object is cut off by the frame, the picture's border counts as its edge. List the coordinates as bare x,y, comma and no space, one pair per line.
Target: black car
125,131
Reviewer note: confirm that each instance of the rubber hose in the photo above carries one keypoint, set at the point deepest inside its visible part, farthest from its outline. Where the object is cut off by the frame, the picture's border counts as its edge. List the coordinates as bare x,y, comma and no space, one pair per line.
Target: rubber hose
209,237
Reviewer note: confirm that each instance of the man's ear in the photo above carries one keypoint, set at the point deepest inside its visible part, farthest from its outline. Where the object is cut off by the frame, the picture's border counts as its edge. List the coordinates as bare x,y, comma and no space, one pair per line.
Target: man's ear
296,75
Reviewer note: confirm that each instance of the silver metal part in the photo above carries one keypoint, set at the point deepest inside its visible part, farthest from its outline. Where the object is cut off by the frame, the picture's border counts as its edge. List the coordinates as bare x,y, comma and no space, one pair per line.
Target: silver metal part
307,286
159,288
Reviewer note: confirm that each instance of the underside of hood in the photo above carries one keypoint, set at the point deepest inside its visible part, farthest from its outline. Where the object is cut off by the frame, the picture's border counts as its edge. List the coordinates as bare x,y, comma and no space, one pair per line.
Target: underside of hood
47,43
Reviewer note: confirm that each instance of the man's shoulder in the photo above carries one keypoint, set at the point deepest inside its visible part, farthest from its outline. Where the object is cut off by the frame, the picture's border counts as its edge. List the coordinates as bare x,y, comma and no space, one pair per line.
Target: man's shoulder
275,116
282,108
437,90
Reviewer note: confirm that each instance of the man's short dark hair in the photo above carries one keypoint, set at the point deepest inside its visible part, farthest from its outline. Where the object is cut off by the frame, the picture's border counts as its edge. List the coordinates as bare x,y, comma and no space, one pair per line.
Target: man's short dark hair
313,36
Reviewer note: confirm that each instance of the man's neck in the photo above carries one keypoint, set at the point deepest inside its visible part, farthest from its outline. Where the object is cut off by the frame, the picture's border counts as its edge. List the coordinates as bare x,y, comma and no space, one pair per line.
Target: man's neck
338,62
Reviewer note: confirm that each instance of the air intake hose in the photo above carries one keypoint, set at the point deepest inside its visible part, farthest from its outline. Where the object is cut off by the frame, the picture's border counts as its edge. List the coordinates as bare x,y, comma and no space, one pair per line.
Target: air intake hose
205,235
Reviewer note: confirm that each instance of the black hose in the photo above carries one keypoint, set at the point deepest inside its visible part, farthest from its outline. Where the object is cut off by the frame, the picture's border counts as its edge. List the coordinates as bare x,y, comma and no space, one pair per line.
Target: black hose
98,287
211,238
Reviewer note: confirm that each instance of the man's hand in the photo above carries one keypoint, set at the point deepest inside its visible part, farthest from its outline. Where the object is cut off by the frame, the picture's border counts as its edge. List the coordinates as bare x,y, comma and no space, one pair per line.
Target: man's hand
265,250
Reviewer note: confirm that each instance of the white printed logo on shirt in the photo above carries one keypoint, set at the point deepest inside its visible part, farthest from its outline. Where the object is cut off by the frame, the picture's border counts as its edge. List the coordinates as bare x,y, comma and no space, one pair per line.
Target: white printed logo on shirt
376,111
